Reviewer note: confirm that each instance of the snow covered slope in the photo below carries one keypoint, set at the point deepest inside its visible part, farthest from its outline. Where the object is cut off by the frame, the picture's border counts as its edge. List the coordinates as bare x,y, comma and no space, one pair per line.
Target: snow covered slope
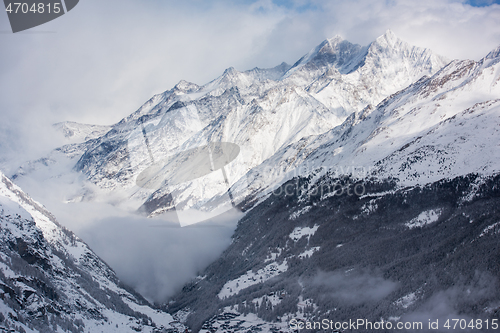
77,132
349,77
260,110
51,281
439,127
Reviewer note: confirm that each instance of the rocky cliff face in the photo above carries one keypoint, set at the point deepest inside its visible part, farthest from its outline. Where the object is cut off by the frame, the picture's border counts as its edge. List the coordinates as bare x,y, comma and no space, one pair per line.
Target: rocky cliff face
50,281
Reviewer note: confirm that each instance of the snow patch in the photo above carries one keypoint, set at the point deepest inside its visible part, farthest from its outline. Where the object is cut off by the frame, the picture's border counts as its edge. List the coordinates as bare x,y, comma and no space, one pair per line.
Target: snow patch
233,287
303,303
300,232
308,253
407,300
274,255
302,211
369,207
490,229
424,218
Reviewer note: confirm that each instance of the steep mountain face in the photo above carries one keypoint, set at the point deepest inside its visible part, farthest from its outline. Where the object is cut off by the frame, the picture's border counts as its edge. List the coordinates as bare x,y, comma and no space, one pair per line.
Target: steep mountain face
368,74
261,110
50,281
418,135
337,249
391,216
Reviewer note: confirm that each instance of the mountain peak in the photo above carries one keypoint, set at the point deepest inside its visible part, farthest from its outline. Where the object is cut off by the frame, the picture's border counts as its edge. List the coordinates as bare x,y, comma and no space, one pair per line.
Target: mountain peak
230,70
390,34
229,74
388,39
335,40
186,87
334,52
331,45
494,53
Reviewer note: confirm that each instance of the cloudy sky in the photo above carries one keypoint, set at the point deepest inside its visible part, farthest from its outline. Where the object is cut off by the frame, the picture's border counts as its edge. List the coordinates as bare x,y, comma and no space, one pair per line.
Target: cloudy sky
104,59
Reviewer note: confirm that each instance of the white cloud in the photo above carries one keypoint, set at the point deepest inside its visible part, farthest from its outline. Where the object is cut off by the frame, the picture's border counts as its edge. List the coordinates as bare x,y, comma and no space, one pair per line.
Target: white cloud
105,59
154,256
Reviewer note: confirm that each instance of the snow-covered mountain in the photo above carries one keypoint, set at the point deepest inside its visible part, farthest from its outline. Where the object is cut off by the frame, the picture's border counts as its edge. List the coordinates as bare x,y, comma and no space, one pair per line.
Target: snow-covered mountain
391,216
77,132
441,126
50,281
260,110
425,164
368,169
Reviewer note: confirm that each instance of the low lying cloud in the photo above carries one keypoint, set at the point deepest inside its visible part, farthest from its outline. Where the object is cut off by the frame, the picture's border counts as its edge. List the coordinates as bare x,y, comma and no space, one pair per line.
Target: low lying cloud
471,300
352,288
156,257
